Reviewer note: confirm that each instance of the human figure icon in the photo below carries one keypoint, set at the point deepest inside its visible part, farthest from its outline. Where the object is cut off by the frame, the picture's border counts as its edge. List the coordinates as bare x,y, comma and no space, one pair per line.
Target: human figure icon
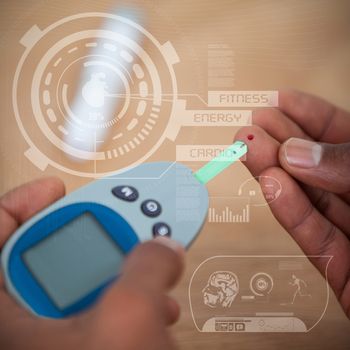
301,289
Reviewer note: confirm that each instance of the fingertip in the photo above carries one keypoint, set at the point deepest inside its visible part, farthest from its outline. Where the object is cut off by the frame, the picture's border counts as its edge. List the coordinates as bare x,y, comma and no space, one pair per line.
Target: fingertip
260,137
286,94
173,311
242,133
251,136
282,154
54,184
26,200
321,165
171,244
262,148
263,116
297,155
156,264
172,254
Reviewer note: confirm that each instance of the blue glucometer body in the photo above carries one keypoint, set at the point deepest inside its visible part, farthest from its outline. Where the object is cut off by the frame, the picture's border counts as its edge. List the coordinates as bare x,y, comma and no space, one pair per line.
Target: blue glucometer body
60,261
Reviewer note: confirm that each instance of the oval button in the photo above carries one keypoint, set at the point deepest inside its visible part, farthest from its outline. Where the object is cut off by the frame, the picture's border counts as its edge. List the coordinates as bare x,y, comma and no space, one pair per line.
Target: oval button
161,229
151,208
126,193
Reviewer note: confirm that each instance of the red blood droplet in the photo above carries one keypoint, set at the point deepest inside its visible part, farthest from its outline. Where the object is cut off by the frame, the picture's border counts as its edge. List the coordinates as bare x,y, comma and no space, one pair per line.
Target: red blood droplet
250,137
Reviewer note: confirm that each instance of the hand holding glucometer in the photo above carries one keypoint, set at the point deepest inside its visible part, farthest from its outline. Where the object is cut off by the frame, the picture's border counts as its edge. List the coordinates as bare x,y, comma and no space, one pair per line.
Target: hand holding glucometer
137,304
60,261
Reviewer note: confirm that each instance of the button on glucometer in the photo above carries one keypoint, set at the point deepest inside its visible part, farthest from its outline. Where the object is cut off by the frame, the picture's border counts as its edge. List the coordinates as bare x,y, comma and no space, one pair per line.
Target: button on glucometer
151,208
161,229
126,193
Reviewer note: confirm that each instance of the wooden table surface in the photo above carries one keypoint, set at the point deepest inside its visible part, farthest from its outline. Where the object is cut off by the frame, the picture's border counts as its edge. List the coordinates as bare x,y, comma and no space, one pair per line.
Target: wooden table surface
303,44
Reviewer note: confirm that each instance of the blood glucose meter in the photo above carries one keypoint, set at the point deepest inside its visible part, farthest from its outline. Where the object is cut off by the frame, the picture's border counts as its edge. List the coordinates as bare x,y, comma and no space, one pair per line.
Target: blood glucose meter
59,262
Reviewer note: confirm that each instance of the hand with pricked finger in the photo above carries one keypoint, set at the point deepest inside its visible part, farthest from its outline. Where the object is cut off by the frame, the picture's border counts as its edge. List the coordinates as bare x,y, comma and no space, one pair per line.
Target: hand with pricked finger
305,145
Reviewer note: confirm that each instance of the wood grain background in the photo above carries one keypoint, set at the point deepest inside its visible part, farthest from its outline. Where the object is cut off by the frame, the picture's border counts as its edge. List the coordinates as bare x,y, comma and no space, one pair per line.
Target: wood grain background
303,44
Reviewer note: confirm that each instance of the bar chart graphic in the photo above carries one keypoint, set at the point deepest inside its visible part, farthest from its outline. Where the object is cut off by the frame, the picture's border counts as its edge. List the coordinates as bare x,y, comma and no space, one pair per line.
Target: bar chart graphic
229,210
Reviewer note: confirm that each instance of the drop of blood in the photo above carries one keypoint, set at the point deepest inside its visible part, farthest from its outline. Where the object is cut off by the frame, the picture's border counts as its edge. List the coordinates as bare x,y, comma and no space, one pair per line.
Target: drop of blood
250,137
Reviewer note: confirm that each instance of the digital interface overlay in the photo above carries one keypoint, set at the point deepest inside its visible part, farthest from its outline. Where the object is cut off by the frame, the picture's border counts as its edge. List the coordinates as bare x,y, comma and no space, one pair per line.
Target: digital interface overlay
96,94
258,294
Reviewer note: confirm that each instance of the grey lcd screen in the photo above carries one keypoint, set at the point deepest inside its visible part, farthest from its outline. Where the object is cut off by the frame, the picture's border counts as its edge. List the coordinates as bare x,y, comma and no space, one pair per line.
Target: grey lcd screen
74,260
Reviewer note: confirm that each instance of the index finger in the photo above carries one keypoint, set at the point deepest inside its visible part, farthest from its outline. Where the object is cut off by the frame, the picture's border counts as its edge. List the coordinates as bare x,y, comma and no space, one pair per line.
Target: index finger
317,117
24,201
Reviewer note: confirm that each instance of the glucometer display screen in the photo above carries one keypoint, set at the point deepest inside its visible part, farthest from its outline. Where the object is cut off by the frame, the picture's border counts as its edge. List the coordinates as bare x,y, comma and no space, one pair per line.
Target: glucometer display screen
74,260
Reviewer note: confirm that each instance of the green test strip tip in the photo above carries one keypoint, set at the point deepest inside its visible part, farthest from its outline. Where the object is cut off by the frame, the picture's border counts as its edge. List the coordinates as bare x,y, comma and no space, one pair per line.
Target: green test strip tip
221,162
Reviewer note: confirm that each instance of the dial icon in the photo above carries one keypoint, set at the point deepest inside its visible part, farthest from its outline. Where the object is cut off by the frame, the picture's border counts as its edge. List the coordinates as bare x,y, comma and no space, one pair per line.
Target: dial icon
88,98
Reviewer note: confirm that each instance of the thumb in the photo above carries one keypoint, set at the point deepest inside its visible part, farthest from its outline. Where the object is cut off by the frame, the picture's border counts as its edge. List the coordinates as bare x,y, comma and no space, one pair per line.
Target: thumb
149,272
155,265
322,165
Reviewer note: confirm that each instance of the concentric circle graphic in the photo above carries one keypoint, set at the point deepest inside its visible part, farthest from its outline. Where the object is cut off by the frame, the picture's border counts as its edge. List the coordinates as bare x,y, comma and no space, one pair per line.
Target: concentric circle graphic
88,94
261,284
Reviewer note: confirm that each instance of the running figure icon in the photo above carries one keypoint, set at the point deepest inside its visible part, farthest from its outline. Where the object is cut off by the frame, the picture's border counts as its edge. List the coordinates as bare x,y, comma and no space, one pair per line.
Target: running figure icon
301,289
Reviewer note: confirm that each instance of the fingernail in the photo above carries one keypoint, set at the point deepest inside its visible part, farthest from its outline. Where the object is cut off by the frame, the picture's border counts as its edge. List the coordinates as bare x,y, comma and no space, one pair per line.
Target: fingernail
170,243
302,153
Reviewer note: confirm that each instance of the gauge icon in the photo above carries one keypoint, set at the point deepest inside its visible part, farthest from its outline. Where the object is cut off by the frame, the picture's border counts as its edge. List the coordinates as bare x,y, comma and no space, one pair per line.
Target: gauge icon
260,195
88,94
261,284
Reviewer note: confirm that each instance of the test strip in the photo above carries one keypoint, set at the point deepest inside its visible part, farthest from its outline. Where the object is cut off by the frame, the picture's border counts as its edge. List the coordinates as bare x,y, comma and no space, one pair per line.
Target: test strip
227,157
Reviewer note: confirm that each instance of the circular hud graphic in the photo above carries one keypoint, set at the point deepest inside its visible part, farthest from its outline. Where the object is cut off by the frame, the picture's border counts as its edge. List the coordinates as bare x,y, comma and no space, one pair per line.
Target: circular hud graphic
261,284
88,94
